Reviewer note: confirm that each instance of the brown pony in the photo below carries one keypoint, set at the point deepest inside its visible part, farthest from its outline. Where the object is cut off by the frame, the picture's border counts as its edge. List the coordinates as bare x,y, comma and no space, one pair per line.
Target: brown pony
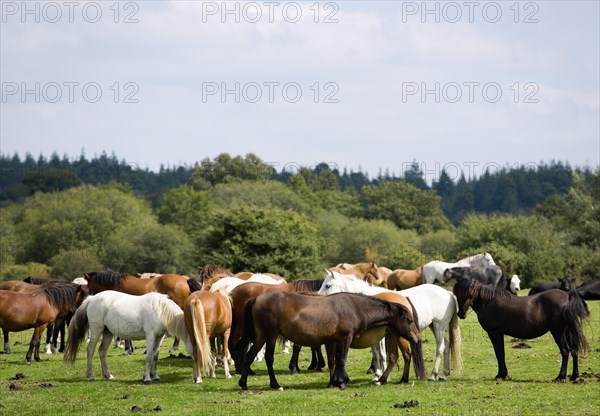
22,311
21,286
338,321
365,271
208,317
401,279
176,286
239,297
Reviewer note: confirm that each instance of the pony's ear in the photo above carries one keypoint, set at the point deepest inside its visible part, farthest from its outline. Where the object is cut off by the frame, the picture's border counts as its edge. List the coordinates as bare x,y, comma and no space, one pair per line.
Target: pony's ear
86,276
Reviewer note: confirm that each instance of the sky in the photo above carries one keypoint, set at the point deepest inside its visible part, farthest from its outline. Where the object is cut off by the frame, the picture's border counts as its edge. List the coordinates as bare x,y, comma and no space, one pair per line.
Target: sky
369,85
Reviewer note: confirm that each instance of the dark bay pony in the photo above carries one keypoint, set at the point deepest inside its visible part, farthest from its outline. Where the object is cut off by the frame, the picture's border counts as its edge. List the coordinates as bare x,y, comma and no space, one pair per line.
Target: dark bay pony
401,279
208,318
22,311
564,283
339,321
242,293
526,317
590,290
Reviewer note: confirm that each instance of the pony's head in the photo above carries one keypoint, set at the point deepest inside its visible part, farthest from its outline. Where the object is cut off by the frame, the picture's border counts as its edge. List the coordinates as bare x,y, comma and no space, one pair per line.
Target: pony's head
489,259
463,292
337,282
515,283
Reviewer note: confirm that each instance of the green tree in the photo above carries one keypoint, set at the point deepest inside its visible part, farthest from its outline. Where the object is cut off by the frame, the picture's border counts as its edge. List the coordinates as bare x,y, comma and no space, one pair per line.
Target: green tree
227,169
190,210
406,206
263,240
69,264
153,248
78,218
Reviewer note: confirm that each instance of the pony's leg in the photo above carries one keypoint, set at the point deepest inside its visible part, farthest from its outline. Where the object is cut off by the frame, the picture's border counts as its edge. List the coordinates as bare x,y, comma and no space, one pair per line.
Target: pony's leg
564,353
104,344
7,349
294,369
441,343
498,343
575,373
392,352
49,336
156,350
286,346
260,355
249,359
34,344
269,359
340,375
151,352
378,351
175,346
60,333
128,347
330,350
226,355
91,348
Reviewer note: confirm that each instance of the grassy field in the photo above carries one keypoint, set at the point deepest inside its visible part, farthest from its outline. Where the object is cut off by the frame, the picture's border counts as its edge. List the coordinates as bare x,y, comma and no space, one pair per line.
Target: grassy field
51,387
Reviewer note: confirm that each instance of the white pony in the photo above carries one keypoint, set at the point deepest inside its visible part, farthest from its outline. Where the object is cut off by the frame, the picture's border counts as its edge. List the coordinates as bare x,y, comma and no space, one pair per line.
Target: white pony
436,308
227,284
434,270
109,313
515,283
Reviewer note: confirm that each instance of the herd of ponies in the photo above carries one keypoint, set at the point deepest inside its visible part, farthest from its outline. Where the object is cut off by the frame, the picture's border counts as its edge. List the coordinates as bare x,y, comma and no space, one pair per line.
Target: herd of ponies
233,319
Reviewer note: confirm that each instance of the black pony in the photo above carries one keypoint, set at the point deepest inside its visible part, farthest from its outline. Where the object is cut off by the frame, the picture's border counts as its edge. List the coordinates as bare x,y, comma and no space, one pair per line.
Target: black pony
526,317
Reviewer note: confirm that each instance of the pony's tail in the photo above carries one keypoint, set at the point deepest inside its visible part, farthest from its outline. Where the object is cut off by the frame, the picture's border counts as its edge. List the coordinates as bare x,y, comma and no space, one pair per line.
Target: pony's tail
194,285
416,349
241,346
202,354
455,343
78,329
574,314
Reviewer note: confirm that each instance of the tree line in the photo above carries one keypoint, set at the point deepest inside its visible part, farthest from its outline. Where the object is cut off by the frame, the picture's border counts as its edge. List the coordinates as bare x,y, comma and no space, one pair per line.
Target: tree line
61,217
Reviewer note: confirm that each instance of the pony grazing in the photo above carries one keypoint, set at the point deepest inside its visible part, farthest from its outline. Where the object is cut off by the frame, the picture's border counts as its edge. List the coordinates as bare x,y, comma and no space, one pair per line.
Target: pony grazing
38,309
339,322
208,318
435,307
434,270
109,313
526,317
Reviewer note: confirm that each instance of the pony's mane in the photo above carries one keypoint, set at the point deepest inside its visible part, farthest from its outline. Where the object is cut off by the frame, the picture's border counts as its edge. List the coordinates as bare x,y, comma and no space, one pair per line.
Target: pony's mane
211,270
476,290
60,295
172,316
306,285
108,278
42,280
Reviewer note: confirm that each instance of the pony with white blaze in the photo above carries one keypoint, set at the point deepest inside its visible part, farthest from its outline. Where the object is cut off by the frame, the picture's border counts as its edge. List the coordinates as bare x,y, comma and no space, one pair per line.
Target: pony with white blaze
436,308
109,313
434,270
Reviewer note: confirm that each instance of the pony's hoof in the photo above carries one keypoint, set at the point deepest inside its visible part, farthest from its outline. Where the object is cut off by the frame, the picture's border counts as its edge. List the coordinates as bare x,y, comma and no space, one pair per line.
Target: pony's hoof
560,380
91,379
505,378
198,381
280,389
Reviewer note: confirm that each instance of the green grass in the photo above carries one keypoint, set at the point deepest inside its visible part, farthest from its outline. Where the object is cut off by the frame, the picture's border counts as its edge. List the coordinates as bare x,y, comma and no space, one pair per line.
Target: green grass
474,392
